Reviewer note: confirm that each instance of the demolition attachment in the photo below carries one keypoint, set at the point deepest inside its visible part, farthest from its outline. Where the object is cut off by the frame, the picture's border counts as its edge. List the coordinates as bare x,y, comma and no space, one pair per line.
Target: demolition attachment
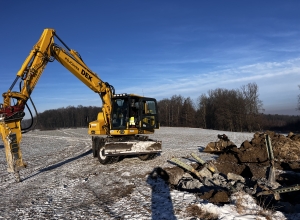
11,139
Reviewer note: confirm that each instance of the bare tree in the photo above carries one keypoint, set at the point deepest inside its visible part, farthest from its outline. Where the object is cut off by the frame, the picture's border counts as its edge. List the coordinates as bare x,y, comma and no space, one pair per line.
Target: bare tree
253,105
187,113
165,112
234,110
298,107
201,112
176,105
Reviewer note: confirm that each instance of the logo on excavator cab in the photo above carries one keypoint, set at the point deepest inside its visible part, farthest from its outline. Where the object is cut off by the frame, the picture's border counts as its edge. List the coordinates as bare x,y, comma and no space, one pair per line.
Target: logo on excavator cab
86,75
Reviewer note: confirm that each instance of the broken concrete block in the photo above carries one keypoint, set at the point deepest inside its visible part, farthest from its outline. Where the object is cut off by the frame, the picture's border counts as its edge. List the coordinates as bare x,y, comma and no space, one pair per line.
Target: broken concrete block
235,177
175,174
204,172
187,183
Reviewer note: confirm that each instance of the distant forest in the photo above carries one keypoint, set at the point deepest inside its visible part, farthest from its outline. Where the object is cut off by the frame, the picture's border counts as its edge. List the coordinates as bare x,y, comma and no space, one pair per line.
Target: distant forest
69,117
220,109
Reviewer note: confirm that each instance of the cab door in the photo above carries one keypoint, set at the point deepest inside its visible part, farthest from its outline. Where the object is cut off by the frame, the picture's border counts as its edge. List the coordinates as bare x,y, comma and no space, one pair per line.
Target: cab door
149,114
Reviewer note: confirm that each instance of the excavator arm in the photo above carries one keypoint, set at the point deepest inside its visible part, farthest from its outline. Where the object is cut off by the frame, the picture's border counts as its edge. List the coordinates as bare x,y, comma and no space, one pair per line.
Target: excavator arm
44,51
72,61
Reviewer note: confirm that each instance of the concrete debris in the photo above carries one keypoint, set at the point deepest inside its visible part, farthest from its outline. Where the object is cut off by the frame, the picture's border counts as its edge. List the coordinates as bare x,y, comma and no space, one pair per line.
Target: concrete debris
244,168
205,173
175,174
235,177
219,146
190,184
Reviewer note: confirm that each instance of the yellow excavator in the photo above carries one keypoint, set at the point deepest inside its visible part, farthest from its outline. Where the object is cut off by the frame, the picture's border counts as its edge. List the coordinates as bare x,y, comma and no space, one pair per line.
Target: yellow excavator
121,127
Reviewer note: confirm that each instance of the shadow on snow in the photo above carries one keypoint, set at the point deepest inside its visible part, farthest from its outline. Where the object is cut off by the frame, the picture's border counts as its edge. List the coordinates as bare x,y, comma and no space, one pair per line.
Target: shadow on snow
58,164
161,202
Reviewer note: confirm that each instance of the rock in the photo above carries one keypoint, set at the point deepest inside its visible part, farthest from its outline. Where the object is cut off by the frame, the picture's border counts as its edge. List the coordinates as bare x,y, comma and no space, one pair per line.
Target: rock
290,134
208,182
190,184
175,174
219,180
207,195
204,172
256,135
239,186
220,145
220,197
235,177
246,144
187,175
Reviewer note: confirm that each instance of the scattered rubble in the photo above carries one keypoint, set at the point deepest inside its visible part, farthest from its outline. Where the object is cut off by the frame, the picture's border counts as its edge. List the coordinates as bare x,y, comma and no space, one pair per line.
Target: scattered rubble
219,146
245,168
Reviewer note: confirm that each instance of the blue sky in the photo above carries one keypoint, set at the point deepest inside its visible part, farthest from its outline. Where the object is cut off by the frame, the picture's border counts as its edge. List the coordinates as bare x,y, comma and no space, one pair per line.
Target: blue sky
159,48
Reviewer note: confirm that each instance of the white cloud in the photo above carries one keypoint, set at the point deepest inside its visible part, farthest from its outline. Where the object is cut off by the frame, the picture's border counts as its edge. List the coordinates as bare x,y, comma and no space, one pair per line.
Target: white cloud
280,79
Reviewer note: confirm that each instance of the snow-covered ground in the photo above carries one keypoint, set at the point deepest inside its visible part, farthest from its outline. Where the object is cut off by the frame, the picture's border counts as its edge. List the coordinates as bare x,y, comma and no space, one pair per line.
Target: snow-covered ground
64,181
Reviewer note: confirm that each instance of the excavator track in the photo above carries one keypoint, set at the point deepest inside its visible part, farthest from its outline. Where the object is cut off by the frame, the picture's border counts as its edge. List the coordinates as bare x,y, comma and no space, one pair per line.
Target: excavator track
109,149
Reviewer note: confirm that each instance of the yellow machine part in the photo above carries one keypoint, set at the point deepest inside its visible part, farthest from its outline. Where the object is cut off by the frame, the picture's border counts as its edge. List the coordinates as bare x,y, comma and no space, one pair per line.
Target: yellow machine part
96,127
11,136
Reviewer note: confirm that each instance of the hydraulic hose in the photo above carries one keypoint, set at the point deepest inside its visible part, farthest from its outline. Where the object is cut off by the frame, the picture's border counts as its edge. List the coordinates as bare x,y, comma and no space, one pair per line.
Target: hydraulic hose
32,124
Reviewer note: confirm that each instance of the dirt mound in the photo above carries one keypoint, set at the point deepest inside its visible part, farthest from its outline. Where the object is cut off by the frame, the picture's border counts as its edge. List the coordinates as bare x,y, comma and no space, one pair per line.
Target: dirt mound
245,168
251,158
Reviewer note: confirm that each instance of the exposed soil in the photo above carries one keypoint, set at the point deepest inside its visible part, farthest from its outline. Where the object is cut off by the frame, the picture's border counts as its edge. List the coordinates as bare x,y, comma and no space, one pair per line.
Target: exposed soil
250,166
245,168
251,158
216,197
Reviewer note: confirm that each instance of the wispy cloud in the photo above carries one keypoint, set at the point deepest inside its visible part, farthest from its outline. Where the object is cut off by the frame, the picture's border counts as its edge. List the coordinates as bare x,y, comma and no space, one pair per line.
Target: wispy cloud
268,75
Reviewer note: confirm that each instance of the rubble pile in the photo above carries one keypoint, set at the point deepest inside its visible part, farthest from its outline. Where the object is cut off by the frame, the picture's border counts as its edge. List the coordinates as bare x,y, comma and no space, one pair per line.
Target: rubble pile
219,146
244,168
251,158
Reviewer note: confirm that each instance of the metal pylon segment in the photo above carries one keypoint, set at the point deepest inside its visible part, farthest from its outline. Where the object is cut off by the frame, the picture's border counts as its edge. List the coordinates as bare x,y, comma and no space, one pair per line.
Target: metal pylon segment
280,190
271,177
211,168
269,148
187,167
198,158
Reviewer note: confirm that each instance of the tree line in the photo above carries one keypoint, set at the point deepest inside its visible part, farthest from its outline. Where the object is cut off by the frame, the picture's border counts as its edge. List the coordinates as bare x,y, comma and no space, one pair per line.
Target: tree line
69,117
220,109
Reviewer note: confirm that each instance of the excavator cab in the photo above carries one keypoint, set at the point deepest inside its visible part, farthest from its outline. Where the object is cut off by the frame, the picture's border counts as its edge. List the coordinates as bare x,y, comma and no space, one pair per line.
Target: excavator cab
134,114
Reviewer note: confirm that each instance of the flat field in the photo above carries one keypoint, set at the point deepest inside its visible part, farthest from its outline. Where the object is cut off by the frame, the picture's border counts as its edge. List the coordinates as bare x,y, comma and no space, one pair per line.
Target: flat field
64,181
